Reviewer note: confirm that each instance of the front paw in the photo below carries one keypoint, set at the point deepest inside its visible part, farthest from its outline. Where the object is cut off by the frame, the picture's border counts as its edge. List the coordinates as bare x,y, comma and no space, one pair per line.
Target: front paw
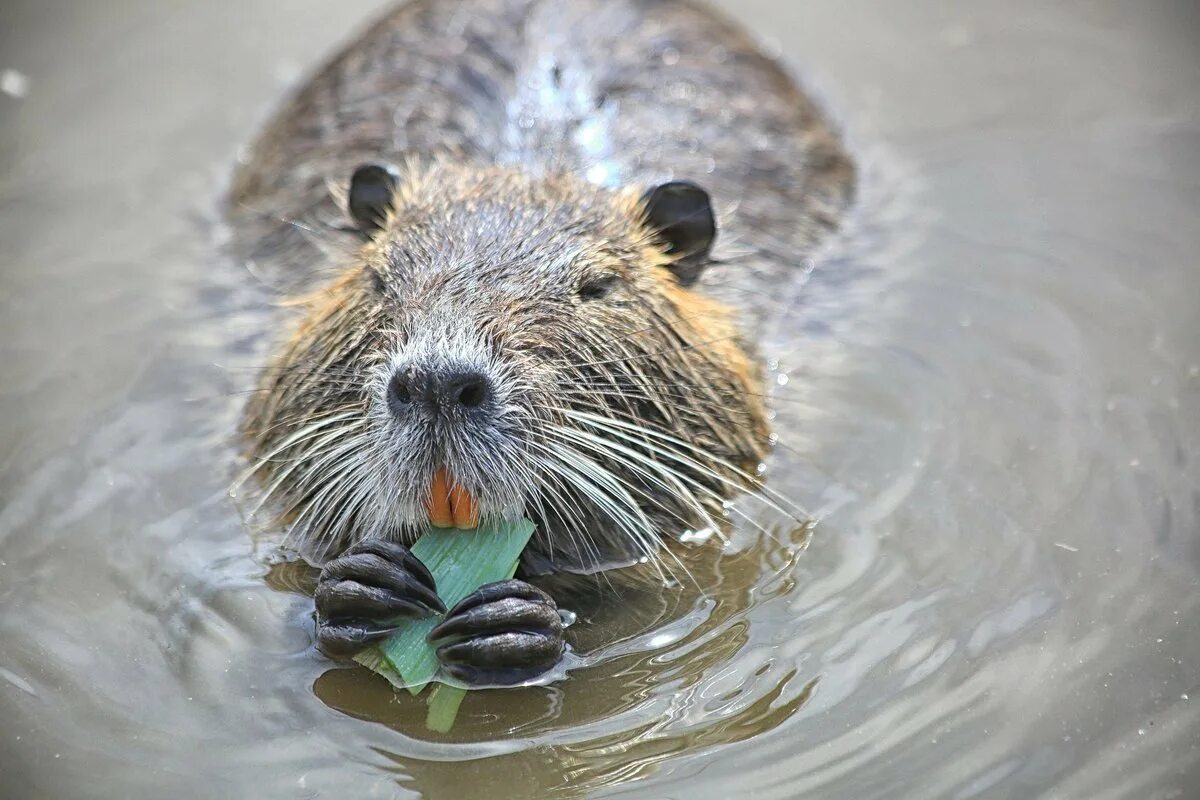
505,633
363,595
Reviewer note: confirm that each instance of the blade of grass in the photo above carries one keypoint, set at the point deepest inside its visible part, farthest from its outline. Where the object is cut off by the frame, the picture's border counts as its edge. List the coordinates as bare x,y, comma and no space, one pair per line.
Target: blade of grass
461,562
444,701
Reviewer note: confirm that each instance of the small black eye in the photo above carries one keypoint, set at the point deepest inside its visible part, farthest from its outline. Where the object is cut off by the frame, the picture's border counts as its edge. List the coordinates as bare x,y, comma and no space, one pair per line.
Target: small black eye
597,288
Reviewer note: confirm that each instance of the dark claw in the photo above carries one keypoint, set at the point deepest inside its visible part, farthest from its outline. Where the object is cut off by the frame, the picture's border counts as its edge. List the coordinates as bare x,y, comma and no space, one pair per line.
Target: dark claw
502,659
364,593
498,616
343,640
398,554
472,676
370,569
504,633
342,598
499,590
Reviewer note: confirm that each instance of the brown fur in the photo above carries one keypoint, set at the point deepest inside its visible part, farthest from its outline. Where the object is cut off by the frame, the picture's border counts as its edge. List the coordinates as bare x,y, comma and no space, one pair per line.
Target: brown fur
526,132
654,354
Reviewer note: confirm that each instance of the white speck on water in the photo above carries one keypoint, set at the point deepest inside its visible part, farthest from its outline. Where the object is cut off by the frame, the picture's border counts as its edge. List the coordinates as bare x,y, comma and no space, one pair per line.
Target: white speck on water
1133,462
1194,371
14,84
1066,547
964,321
1141,731
1183,697
761,469
781,379
772,439
670,56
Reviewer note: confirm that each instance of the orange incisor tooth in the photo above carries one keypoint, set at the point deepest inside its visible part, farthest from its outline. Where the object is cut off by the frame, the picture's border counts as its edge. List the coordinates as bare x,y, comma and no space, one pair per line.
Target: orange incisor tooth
464,508
438,504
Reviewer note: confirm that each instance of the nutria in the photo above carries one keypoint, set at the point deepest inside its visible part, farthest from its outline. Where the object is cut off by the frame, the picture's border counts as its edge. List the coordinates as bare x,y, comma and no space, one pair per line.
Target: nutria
530,311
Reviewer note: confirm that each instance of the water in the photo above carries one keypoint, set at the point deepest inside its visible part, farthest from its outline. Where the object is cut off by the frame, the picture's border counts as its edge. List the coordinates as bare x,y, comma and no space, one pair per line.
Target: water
992,400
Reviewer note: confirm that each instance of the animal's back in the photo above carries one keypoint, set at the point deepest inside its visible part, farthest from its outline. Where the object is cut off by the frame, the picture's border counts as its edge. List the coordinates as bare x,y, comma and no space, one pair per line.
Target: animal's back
622,92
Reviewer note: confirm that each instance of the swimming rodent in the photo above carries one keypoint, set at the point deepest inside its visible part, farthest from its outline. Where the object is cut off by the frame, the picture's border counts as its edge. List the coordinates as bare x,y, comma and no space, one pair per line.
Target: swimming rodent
531,311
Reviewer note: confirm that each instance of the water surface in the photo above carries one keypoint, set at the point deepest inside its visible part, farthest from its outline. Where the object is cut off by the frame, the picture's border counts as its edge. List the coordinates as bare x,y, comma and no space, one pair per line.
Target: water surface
990,396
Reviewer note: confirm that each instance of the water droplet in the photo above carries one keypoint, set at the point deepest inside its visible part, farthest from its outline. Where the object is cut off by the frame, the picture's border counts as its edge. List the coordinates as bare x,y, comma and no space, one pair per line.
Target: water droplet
670,56
781,379
14,84
761,469
698,537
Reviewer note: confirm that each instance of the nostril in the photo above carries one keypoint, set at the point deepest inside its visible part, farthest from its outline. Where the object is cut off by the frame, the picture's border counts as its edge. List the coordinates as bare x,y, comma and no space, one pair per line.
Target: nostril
400,391
471,391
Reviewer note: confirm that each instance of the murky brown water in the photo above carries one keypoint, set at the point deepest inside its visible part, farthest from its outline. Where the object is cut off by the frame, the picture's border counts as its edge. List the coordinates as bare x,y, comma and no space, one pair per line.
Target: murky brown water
992,401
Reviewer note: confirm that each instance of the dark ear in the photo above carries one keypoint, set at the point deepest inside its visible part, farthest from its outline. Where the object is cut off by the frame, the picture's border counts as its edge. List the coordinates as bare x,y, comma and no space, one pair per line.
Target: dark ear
371,189
681,214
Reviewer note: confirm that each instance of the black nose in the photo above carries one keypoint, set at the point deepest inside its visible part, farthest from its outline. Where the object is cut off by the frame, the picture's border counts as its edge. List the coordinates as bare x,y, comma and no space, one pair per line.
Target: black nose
447,389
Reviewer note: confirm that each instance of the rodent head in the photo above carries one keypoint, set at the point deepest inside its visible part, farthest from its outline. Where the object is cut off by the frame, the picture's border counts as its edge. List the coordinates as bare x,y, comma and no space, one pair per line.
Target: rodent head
537,339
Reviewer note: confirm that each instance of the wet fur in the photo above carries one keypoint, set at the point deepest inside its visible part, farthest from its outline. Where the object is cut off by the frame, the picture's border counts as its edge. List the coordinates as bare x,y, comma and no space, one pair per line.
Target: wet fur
508,204
484,266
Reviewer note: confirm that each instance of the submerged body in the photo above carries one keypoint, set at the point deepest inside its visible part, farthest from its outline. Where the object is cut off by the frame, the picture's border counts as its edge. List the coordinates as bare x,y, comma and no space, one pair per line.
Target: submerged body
528,311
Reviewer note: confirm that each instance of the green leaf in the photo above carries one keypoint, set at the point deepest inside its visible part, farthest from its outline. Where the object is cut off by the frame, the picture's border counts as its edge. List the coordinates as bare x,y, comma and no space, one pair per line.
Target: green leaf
444,701
461,562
